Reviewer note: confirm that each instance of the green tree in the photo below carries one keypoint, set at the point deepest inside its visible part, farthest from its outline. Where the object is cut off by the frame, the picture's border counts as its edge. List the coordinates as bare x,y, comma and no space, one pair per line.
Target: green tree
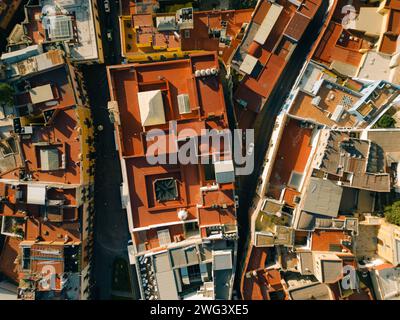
386,121
392,213
6,94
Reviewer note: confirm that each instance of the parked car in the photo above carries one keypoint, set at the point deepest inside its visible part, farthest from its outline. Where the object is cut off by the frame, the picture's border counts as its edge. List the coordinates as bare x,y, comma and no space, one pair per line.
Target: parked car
109,35
250,149
107,6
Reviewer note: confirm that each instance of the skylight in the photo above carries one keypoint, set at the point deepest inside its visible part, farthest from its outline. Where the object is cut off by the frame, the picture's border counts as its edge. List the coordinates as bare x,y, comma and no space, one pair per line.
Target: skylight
166,189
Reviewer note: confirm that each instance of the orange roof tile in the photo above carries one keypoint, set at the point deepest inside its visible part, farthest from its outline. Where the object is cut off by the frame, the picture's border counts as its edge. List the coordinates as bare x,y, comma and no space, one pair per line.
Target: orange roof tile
8,255
254,288
256,89
297,26
199,38
322,240
292,156
207,111
333,47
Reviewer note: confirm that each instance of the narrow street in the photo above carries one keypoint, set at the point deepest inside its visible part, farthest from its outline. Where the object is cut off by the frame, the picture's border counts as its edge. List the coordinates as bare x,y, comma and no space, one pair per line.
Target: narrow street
263,130
111,225
110,23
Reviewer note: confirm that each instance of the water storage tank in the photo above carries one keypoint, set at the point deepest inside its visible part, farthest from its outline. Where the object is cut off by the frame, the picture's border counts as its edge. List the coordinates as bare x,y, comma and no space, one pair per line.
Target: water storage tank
208,72
197,73
214,71
203,72
182,214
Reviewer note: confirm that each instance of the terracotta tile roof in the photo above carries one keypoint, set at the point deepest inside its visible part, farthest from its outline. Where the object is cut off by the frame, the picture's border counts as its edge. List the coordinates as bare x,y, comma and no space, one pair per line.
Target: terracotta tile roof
297,26
330,48
393,4
293,153
255,90
199,38
8,255
309,8
389,43
34,26
142,20
256,287
303,107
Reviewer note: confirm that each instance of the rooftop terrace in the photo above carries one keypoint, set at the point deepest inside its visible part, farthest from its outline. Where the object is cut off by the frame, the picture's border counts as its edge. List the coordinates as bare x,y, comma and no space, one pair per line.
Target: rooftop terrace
329,105
144,35
78,27
205,109
57,109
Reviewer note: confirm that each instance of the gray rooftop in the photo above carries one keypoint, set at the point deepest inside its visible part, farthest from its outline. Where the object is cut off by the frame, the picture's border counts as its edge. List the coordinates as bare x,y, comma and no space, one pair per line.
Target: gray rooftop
358,163
322,197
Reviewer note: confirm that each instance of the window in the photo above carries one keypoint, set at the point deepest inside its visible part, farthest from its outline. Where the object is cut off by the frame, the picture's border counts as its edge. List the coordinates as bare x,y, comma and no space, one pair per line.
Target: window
301,240
22,110
164,237
26,258
187,33
194,273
